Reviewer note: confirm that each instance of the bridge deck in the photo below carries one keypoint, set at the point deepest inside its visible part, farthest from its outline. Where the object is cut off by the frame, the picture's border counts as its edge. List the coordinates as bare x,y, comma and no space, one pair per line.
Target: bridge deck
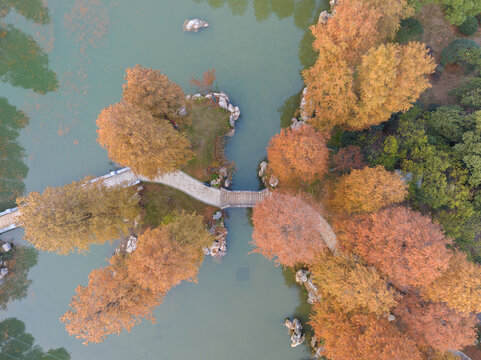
179,180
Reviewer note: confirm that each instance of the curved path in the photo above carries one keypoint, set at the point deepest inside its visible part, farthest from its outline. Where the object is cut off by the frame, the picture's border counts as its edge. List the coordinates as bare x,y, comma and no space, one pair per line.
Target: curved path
179,180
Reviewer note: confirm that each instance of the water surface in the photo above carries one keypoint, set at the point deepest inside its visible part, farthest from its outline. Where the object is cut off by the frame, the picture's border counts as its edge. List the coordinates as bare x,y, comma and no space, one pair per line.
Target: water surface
236,309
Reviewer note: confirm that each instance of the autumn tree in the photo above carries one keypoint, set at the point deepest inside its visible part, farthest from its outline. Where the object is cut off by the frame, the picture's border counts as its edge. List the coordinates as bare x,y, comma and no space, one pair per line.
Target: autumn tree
298,156
77,215
348,158
111,302
167,255
435,325
390,79
153,92
368,190
403,244
205,84
289,229
459,286
357,336
353,284
134,138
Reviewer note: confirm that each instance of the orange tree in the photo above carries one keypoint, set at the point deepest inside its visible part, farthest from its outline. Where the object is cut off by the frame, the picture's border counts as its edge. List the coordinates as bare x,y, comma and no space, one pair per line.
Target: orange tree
167,255
353,284
435,325
134,138
111,302
459,286
368,190
298,156
287,228
403,244
153,92
354,336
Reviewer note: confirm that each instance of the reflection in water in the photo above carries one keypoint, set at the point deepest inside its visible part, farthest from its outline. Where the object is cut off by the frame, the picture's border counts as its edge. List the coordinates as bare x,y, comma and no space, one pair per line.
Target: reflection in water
307,55
23,63
34,10
12,168
15,343
288,110
15,285
303,10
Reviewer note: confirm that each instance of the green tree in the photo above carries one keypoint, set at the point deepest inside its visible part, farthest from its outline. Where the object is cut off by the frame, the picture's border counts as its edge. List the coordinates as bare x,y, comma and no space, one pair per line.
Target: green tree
75,216
469,93
449,122
15,343
470,150
457,10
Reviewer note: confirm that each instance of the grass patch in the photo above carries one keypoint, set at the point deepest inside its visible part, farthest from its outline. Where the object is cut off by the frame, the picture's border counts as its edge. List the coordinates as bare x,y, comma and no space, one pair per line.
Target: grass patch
210,124
159,201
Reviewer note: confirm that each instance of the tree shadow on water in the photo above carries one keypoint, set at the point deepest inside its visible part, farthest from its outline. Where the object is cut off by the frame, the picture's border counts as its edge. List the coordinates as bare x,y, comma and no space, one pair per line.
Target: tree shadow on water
12,167
33,10
15,343
289,109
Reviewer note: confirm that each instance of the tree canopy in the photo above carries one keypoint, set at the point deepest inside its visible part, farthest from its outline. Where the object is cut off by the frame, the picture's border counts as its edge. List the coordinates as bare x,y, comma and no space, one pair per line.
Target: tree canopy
134,138
77,215
403,244
298,156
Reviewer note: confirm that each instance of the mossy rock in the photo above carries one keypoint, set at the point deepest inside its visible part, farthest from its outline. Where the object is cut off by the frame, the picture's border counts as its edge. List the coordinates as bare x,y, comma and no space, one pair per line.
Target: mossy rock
469,26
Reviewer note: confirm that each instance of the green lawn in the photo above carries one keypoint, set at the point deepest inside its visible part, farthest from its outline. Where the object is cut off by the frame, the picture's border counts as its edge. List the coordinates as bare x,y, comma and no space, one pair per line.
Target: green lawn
209,126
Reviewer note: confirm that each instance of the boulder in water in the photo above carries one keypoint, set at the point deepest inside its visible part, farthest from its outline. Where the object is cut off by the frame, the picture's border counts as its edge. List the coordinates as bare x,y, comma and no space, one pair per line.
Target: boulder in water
194,25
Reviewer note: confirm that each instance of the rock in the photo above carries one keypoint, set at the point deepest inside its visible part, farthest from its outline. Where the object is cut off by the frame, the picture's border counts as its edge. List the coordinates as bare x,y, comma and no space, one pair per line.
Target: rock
223,103
131,244
302,107
273,181
312,298
188,96
301,276
182,111
217,215
3,272
223,172
262,168
297,325
334,2
216,245
230,107
324,17
288,324
6,247
227,183
197,96
206,251
224,95
297,340
231,132
215,182
194,25
391,318
221,253
208,96
223,247
296,124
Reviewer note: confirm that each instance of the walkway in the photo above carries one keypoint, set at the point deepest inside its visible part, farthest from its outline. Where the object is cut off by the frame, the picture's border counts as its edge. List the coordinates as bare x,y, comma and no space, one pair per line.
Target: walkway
179,180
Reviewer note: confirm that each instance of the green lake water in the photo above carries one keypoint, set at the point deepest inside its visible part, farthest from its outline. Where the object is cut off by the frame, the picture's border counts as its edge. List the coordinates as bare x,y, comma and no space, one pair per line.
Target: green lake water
257,48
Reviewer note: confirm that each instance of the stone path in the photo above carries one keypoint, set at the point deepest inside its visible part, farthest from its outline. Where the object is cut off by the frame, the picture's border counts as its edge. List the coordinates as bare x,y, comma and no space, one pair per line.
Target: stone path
179,180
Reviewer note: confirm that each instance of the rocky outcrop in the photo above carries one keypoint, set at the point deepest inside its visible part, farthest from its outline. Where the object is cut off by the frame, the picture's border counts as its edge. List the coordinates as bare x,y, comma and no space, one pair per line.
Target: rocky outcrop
296,124
194,25
131,244
223,100
302,108
295,331
5,255
303,278
218,229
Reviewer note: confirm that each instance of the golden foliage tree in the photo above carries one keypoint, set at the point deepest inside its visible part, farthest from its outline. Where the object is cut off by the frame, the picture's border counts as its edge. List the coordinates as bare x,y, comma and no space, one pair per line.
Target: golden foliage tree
111,302
152,91
77,215
330,96
167,255
368,190
287,228
435,325
298,156
390,79
353,284
355,336
459,286
134,138
393,11
403,244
